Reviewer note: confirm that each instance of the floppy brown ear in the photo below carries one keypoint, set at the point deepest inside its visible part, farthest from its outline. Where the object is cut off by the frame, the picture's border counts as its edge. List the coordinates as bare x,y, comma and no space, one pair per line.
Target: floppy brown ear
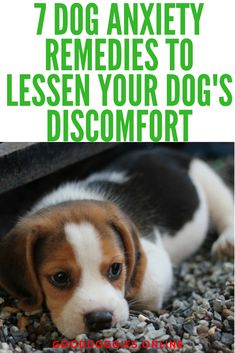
17,272
134,254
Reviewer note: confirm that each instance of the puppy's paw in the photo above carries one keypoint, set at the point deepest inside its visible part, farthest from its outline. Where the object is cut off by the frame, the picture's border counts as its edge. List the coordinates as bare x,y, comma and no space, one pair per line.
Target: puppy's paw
224,245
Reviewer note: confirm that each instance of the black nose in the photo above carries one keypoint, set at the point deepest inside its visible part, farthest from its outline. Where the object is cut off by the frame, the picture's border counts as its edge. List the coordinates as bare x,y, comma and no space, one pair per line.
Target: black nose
98,320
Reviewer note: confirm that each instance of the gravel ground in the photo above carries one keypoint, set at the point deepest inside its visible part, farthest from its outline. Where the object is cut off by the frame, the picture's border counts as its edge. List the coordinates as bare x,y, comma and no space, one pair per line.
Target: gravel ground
199,313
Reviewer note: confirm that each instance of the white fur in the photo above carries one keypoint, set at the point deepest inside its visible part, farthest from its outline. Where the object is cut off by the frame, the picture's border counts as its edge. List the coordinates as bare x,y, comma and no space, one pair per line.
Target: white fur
71,191
158,275
94,291
220,203
80,190
114,177
224,245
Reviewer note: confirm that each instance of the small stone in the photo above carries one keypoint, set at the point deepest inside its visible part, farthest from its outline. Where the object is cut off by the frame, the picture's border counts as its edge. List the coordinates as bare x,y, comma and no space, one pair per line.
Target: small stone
1,300
217,336
142,318
41,338
218,305
27,348
5,330
54,335
159,333
81,337
177,304
119,333
201,312
203,322
227,338
4,345
189,327
140,327
227,312
217,316
218,346
130,336
188,312
18,349
108,332
164,338
18,336
202,330
211,331
186,335
228,303
217,323
14,329
96,335
226,326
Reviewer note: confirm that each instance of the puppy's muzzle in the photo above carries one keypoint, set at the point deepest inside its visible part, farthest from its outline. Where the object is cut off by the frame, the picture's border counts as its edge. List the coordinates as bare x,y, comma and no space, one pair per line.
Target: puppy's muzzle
98,320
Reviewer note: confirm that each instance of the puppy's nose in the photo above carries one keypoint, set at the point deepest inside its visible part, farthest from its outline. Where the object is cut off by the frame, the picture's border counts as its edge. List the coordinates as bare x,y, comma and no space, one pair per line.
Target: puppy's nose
98,320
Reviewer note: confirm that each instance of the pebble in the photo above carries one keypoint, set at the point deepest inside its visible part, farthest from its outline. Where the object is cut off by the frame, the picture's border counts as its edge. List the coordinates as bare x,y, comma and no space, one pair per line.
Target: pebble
189,327
218,305
204,322
202,330
142,318
211,331
217,316
14,329
108,332
27,348
140,327
4,345
158,333
164,338
227,338
226,325
218,324
227,312
130,336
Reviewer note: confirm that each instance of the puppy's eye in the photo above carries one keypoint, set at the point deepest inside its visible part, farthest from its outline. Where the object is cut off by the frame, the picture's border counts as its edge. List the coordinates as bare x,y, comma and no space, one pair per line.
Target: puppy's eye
60,279
114,271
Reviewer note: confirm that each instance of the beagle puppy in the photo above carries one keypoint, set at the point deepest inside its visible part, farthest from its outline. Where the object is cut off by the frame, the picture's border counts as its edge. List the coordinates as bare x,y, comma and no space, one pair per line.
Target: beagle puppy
89,247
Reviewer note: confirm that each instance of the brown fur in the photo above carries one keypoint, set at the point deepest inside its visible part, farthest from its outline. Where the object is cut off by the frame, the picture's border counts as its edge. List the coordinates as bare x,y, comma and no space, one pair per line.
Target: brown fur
37,248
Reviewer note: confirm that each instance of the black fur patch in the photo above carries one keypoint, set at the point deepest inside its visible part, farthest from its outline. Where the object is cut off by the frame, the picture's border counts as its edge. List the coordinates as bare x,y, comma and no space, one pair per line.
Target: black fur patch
158,192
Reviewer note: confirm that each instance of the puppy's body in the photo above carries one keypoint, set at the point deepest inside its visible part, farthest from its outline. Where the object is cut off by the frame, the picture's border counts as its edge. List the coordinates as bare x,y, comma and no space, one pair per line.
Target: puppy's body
145,211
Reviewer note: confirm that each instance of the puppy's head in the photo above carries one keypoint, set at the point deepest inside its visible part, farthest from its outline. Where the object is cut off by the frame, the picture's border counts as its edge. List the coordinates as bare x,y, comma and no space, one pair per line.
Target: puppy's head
81,258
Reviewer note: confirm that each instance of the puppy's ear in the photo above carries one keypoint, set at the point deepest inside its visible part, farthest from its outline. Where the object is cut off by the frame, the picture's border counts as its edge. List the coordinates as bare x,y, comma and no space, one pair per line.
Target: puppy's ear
134,254
17,270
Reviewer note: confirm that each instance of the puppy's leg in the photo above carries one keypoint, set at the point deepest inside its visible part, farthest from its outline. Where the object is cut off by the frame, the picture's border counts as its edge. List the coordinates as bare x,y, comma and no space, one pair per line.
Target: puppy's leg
158,276
220,202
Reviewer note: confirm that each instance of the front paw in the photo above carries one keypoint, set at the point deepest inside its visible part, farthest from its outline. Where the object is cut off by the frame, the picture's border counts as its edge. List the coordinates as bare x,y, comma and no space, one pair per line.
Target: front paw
224,246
